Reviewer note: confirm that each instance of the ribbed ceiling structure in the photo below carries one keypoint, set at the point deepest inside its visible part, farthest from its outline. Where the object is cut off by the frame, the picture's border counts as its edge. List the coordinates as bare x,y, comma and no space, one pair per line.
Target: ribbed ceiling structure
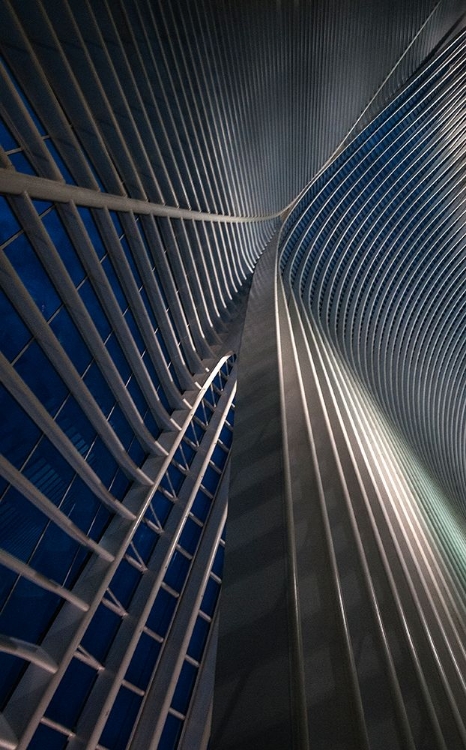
375,252
149,150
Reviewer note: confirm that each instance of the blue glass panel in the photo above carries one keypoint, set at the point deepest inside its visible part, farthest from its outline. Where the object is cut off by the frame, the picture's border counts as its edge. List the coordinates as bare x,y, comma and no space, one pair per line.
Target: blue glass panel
99,522
93,232
219,457
99,388
119,485
114,283
46,738
21,163
171,733
63,244
7,141
143,662
201,506
121,720
162,612
59,162
162,507
189,452
211,480
71,340
190,536
71,693
7,581
120,426
137,453
210,597
148,307
26,597
101,631
21,524
9,225
26,263
95,309
131,323
81,506
117,223
129,257
41,206
102,462
41,377
184,687
209,397
217,567
177,571
137,395
198,431
198,638
145,540
124,582
13,333
116,353
76,425
151,424
49,471
55,554
11,668
176,477
19,433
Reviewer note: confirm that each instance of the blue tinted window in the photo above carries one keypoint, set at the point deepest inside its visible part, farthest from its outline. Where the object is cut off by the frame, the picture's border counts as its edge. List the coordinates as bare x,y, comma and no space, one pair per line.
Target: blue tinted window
198,638
56,555
21,163
71,693
99,388
41,206
210,597
26,597
46,738
19,433
114,283
171,733
102,462
143,662
93,232
124,582
162,612
7,141
59,162
41,377
145,540
217,567
162,507
121,720
201,506
101,632
190,536
184,687
211,480
95,309
71,340
116,353
26,263
177,571
9,225
13,333
21,525
63,244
